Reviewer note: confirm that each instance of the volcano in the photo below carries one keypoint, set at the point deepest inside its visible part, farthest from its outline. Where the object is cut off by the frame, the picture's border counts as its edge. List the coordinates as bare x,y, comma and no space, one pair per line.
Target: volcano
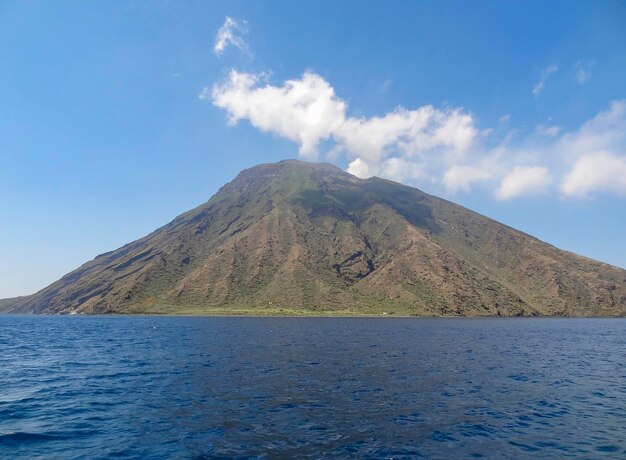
306,238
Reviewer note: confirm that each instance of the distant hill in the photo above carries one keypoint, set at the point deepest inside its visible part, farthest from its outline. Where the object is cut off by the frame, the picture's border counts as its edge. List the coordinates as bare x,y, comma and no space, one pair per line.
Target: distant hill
302,238
6,304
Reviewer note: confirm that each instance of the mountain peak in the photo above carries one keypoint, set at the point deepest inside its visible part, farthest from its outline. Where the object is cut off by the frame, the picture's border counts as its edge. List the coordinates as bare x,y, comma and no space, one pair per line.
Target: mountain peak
293,166
285,177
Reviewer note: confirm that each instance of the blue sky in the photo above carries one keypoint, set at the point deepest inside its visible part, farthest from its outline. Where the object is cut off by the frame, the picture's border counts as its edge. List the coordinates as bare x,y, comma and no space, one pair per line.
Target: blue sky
117,116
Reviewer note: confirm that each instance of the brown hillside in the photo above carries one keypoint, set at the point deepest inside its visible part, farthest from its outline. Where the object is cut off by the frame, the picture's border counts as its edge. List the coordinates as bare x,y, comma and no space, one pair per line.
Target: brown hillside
295,237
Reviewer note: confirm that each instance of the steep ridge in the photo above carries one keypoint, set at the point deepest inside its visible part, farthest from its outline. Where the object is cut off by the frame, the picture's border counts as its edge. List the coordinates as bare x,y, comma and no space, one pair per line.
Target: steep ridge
297,237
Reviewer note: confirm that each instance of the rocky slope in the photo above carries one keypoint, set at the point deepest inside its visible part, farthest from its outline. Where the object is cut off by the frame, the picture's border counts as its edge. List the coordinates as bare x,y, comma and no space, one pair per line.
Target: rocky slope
296,237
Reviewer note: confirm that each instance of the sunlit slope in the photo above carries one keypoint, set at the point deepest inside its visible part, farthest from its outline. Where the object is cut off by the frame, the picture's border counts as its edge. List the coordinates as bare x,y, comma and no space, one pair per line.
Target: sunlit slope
303,238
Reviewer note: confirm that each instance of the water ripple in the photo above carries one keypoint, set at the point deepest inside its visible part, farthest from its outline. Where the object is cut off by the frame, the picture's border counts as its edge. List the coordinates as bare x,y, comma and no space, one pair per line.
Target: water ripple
159,387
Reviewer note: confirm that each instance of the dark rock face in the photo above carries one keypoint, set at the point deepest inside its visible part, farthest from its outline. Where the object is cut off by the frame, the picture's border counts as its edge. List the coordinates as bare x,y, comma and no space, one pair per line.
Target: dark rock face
312,238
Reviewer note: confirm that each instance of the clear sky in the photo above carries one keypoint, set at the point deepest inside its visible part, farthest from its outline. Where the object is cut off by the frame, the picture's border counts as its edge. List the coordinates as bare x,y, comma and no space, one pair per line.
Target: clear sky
117,116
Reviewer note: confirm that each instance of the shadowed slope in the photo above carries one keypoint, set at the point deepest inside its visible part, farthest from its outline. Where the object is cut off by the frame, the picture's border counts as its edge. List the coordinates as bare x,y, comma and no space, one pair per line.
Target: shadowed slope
298,237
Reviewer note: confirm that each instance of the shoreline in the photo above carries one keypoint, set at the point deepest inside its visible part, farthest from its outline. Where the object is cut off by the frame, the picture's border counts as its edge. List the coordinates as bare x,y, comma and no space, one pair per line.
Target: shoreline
313,316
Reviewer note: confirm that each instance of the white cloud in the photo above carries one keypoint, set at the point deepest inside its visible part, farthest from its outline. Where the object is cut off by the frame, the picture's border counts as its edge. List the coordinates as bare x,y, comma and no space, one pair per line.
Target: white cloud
545,74
402,170
304,111
368,138
460,178
523,180
596,172
231,33
307,111
411,132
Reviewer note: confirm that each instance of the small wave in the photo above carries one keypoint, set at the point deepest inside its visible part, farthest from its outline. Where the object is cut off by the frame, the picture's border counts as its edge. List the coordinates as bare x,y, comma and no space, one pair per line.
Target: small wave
21,437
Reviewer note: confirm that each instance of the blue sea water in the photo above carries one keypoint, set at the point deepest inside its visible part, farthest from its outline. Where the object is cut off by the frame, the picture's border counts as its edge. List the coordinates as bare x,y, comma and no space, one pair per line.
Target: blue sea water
176,387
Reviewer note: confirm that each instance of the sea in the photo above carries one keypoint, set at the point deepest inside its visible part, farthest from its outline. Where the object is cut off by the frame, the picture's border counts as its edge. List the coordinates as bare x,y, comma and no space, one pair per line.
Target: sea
90,387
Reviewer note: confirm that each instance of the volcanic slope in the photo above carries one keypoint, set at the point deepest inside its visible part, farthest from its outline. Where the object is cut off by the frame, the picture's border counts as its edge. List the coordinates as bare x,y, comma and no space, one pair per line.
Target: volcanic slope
303,238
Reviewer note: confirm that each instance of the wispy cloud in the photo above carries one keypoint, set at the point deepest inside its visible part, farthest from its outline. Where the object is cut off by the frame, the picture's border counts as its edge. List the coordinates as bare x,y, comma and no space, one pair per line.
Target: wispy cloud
504,119
582,72
545,75
231,34
385,85
606,131
548,130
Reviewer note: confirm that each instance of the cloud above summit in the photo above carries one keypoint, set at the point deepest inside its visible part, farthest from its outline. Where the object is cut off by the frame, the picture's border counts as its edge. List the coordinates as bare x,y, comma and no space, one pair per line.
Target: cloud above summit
304,111
307,111
439,147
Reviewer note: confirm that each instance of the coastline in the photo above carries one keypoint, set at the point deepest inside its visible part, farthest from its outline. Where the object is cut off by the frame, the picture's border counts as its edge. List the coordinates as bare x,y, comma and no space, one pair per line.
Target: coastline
292,314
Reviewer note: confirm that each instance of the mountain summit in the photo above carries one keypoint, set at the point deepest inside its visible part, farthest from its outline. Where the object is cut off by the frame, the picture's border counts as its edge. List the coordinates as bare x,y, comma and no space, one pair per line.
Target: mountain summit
295,237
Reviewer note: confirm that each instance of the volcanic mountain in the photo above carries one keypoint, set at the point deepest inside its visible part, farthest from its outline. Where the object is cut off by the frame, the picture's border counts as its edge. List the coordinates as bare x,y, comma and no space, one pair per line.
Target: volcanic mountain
302,238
